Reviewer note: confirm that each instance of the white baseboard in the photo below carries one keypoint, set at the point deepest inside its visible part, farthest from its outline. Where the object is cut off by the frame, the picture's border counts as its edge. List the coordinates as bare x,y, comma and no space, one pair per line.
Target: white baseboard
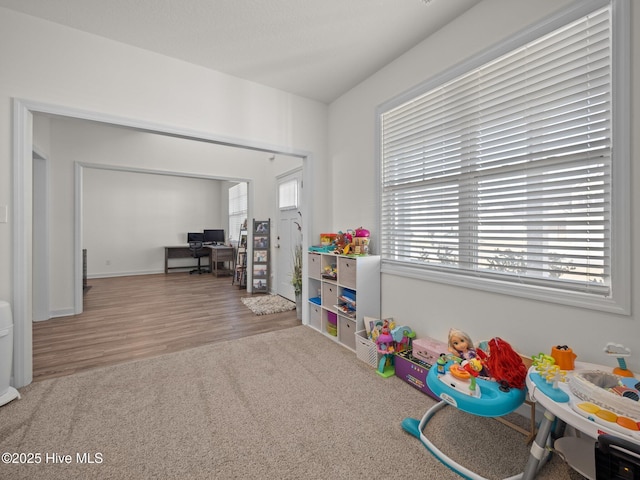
65,312
125,274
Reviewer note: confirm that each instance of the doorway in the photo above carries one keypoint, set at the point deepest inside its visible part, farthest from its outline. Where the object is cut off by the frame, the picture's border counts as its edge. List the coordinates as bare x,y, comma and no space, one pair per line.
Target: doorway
22,251
289,233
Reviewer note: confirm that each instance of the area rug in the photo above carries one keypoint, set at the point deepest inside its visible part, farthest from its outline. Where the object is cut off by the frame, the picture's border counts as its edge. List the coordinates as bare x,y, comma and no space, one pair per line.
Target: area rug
267,304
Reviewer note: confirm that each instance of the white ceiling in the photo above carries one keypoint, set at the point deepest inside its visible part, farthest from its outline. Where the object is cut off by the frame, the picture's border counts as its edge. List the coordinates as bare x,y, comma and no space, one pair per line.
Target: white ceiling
319,49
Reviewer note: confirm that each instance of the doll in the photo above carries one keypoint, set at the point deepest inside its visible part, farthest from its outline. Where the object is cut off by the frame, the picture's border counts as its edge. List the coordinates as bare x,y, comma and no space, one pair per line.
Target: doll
461,346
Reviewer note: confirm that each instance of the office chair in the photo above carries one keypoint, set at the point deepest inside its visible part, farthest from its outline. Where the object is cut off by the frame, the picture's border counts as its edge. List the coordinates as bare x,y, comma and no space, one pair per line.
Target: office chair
617,458
198,251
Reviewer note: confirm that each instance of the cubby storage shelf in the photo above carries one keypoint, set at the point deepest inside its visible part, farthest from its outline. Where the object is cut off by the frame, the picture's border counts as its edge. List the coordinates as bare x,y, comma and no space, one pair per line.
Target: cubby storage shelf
332,279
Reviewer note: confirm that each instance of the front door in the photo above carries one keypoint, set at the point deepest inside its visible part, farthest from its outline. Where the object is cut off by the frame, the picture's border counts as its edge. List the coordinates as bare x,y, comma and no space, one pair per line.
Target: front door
289,230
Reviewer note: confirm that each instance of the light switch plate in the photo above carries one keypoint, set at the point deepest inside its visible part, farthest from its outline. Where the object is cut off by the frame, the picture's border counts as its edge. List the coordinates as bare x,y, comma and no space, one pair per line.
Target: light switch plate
4,213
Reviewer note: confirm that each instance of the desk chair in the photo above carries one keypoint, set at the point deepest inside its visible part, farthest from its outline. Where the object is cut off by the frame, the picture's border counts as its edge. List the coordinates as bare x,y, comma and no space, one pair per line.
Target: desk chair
198,251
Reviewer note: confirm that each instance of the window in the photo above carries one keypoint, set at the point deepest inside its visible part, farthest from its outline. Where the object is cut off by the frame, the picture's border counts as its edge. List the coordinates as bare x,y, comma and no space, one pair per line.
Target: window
237,209
501,176
288,195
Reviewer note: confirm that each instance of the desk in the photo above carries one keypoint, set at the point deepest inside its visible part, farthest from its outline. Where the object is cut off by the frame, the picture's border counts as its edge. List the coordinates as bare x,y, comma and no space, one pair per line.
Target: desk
217,254
564,413
220,254
178,251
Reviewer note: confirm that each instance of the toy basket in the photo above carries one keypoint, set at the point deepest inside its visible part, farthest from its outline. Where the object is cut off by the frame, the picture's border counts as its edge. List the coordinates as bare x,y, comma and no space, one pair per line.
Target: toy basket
366,349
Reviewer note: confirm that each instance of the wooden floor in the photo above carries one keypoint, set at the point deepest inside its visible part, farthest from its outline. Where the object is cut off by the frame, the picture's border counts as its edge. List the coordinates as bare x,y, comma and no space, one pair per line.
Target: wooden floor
128,318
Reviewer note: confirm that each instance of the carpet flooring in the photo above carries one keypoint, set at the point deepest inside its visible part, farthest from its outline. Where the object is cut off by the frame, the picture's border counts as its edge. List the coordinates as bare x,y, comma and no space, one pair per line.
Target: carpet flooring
291,404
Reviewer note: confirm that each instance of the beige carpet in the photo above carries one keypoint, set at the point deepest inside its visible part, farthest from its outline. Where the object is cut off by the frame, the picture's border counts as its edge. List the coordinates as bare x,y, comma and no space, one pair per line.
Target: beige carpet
268,304
291,404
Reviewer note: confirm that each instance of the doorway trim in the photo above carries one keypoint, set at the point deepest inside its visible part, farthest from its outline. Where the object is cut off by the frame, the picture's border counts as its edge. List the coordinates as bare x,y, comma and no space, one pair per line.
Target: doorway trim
41,252
279,251
22,250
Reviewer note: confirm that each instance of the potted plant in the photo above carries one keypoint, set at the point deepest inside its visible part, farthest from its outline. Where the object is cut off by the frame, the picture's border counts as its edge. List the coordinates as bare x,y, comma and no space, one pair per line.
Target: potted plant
296,278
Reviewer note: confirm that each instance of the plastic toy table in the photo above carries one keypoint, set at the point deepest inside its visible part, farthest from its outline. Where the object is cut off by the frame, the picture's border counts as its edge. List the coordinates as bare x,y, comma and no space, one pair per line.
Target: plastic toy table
562,410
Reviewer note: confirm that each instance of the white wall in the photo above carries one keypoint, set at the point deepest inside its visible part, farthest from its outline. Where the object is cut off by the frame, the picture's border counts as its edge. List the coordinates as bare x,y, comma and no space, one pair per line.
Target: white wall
45,63
432,308
129,216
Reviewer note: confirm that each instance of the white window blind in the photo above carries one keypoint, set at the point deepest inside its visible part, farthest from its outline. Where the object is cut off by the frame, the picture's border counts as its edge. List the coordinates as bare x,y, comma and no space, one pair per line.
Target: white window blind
505,172
237,209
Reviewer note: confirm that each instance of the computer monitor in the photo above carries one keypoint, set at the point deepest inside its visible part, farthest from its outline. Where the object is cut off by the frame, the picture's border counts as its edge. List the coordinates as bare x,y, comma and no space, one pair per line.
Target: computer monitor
214,236
195,237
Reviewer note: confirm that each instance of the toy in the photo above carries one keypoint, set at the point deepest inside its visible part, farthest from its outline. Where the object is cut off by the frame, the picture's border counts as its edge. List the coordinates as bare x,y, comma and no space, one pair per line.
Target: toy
456,380
555,375
547,376
362,232
540,360
384,340
460,345
330,272
606,397
564,357
327,238
341,243
428,349
505,365
619,351
390,339
361,245
465,366
351,242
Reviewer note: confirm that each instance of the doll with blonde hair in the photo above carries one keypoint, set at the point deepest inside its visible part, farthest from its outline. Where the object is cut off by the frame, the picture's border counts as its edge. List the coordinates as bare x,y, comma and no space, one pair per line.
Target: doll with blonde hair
461,345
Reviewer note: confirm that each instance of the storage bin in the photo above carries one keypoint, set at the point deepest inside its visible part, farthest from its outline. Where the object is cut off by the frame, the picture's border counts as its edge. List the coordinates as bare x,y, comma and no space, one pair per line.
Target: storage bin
314,263
366,349
315,317
347,272
329,295
346,332
332,324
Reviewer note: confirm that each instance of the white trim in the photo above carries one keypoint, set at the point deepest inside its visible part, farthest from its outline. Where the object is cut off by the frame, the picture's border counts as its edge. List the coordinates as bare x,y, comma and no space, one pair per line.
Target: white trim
66,312
21,304
621,196
152,171
22,146
77,240
533,292
42,291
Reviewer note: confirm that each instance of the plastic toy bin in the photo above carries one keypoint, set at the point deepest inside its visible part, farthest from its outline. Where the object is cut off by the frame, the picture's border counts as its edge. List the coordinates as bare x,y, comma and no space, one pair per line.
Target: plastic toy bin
366,349
332,324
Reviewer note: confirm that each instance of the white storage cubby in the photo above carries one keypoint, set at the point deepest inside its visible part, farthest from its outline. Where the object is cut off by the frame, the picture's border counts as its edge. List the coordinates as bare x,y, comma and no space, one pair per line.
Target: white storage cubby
315,316
346,286
314,265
